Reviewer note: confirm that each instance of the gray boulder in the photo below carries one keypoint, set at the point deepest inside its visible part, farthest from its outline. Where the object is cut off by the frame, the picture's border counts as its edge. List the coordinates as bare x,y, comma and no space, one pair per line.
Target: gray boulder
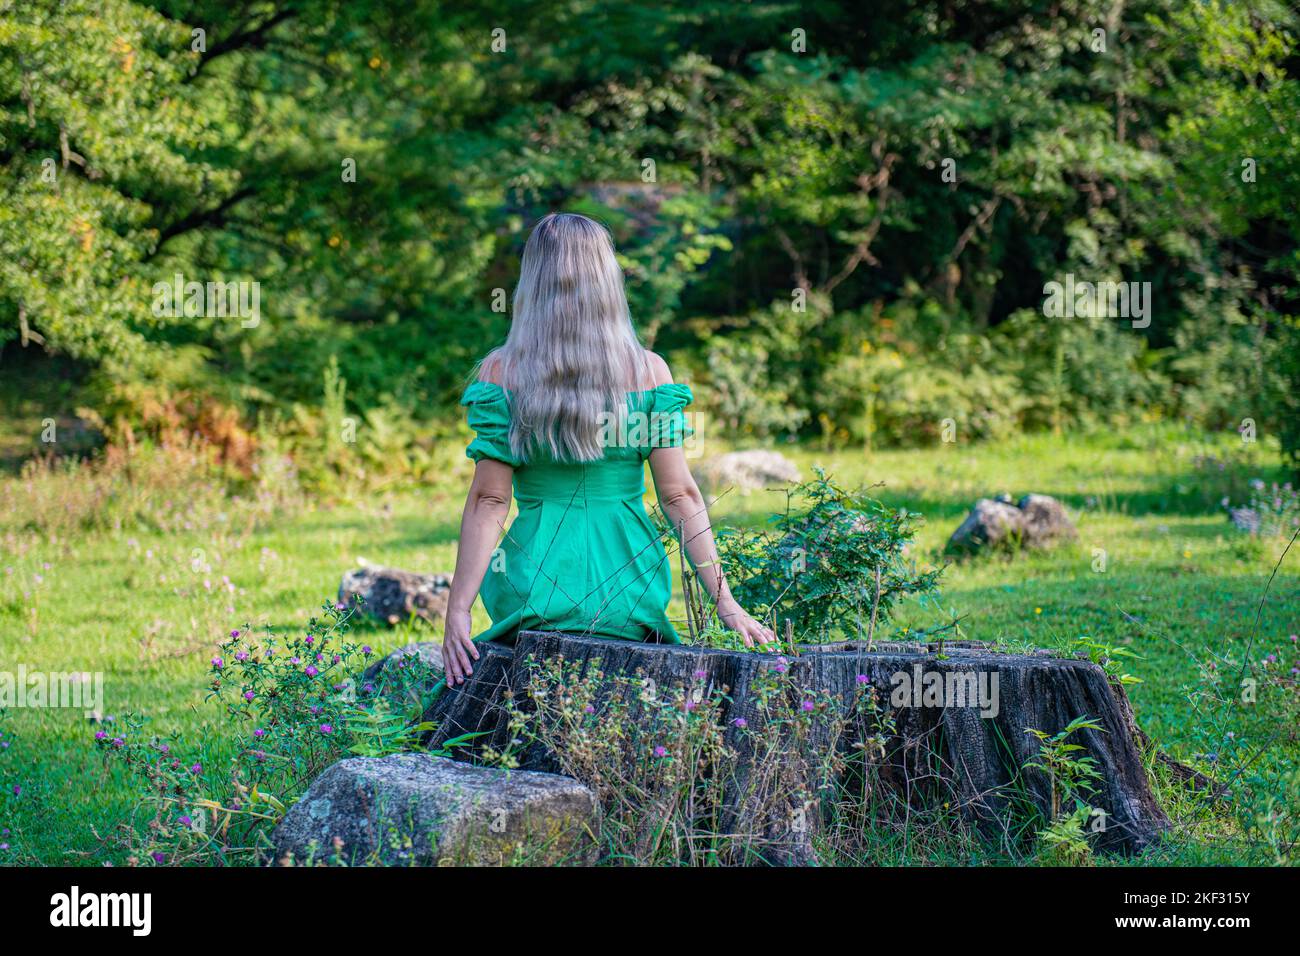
746,471
392,595
1045,521
1036,521
415,809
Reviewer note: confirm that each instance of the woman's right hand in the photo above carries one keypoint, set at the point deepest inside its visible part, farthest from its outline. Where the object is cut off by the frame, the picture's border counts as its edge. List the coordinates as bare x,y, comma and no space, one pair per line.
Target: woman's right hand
457,647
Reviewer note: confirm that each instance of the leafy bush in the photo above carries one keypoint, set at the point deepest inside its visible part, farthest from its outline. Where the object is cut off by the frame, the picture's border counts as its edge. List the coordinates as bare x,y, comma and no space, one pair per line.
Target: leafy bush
1080,372
743,396
887,397
832,568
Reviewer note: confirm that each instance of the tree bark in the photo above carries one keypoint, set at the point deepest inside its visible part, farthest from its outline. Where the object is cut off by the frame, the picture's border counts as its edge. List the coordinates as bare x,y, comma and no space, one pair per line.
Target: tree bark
967,756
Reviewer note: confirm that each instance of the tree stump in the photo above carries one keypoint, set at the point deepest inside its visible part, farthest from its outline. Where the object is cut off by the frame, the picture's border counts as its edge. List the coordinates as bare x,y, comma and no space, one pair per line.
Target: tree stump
972,757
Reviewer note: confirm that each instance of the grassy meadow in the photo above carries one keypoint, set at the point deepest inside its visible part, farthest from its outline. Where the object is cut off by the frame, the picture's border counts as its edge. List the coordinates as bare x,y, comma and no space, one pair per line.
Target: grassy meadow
148,603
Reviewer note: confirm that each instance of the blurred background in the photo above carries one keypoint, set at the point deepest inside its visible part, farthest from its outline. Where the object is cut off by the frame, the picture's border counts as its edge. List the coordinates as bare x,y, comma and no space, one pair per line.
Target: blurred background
920,169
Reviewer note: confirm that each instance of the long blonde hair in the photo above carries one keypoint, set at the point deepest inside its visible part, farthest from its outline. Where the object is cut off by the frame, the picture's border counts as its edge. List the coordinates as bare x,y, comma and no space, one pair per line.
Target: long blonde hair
572,354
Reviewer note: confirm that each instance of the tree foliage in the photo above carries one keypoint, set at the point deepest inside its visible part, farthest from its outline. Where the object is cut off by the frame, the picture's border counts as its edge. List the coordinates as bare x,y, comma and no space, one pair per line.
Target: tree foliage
895,182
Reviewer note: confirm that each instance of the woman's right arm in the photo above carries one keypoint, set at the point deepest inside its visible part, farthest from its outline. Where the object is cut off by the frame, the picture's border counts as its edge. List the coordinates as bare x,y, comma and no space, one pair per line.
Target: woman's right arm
486,509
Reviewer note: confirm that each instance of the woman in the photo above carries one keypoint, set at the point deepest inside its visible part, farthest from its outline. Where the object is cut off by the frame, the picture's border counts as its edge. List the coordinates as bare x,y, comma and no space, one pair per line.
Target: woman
567,412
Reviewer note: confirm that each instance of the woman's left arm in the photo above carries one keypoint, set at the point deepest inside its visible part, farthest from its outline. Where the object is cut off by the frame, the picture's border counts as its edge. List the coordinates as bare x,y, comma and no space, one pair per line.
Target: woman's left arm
683,505
486,509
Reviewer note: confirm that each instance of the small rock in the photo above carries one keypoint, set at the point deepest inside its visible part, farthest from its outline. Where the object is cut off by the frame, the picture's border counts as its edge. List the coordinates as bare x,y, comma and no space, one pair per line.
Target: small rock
746,471
415,809
1036,521
393,595
1045,521
990,523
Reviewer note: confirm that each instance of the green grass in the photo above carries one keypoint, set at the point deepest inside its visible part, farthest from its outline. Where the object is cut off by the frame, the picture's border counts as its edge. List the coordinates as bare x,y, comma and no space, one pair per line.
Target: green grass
1181,588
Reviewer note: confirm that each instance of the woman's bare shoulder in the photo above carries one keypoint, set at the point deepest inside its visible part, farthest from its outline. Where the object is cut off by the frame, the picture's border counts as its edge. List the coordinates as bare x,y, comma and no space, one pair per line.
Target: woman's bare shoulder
490,369
658,369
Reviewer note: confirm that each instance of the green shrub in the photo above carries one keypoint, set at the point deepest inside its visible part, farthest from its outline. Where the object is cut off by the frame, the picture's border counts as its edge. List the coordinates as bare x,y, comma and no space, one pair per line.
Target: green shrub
833,568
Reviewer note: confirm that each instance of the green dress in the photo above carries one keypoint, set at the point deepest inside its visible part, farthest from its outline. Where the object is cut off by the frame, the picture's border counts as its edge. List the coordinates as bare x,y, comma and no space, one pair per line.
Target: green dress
581,555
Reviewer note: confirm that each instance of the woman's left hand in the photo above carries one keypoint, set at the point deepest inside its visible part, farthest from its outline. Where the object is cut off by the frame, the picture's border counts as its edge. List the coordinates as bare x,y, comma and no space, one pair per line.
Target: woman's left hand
735,618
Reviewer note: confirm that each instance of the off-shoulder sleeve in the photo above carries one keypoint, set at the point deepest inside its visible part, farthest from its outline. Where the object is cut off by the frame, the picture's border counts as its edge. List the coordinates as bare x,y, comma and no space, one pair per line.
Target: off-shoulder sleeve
668,428
489,416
